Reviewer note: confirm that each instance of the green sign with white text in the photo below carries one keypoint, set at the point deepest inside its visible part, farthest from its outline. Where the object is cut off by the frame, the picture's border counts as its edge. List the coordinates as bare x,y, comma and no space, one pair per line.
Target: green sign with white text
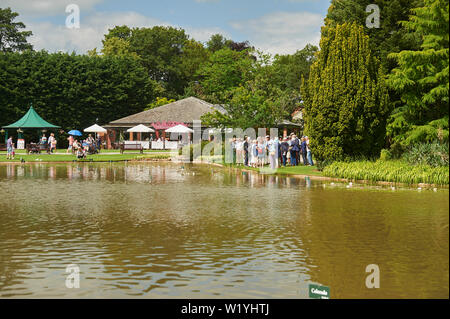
319,292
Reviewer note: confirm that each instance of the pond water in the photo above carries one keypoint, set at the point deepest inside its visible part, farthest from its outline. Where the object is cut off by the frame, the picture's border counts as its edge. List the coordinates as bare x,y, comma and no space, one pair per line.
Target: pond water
166,230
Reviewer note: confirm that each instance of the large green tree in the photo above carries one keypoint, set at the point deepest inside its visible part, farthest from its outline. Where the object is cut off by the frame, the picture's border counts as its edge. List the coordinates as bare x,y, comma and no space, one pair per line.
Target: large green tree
264,90
258,101
390,37
115,46
11,38
217,42
169,56
225,70
161,49
422,79
289,69
346,101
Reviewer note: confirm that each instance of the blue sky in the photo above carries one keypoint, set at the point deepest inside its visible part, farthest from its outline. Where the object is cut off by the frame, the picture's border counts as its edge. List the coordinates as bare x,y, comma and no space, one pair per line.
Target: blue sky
275,26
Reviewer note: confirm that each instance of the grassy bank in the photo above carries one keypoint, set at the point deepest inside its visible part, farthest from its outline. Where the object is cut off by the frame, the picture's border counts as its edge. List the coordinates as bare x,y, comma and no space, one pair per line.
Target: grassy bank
288,170
388,171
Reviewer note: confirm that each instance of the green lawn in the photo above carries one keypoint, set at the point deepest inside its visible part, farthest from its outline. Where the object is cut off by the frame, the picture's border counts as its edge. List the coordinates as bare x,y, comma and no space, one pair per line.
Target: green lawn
290,170
300,170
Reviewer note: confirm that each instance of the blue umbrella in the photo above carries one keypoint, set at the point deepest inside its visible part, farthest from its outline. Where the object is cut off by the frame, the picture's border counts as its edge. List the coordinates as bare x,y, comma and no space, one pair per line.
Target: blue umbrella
75,133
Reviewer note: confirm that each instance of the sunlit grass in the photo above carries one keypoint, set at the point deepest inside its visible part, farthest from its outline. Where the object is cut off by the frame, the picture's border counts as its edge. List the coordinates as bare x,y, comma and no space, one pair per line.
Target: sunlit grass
390,171
289,170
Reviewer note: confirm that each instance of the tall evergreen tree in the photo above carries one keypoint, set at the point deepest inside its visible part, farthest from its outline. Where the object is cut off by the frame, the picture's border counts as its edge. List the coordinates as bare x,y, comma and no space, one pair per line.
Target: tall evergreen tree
346,101
422,78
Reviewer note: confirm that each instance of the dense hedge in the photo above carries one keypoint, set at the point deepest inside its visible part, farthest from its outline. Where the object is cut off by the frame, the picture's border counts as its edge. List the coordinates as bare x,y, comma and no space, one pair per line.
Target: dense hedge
70,90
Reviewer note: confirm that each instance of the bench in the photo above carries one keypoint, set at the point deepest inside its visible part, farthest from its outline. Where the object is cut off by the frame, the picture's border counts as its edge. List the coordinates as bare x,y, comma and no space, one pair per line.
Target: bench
37,148
115,146
131,147
3,147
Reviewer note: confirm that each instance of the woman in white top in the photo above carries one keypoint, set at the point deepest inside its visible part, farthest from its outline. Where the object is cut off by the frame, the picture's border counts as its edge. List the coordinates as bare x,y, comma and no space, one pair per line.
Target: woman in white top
239,151
253,153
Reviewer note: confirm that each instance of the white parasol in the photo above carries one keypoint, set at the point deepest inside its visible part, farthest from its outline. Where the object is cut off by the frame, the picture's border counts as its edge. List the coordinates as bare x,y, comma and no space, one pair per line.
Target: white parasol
140,129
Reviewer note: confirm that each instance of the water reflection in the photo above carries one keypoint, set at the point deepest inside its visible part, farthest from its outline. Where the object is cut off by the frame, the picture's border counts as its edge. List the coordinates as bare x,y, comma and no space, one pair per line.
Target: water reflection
165,230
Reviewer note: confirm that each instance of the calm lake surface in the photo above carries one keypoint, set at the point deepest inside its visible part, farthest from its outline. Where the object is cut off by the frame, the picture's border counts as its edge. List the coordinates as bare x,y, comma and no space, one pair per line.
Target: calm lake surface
166,230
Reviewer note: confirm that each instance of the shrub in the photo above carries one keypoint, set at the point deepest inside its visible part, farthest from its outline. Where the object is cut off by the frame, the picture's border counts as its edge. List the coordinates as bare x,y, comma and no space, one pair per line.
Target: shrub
322,164
385,155
434,154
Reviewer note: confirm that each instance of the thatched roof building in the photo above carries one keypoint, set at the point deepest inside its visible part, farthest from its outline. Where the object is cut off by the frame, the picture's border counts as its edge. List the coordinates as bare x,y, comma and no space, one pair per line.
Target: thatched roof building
183,111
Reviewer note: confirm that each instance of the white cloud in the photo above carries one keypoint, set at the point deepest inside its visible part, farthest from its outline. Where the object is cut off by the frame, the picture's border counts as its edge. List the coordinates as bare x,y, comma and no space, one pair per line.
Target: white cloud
282,32
204,34
47,7
54,37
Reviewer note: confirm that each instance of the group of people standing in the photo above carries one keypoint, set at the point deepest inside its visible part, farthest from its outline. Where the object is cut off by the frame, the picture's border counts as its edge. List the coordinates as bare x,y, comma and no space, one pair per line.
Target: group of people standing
51,142
82,148
290,150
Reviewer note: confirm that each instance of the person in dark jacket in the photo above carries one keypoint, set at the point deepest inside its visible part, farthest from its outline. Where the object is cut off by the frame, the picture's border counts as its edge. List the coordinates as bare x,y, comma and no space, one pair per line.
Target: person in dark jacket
304,151
284,149
246,145
295,148
280,158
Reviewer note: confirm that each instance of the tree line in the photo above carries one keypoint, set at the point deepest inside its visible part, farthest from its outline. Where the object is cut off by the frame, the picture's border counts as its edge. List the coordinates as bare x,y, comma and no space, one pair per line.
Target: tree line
365,90
141,68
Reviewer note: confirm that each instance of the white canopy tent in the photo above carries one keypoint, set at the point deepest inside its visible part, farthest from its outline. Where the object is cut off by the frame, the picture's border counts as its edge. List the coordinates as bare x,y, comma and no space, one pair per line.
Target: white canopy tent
141,129
183,131
95,129
179,129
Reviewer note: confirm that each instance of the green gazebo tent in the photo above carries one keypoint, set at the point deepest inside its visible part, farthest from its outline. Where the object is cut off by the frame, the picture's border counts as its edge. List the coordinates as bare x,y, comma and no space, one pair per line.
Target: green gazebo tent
31,120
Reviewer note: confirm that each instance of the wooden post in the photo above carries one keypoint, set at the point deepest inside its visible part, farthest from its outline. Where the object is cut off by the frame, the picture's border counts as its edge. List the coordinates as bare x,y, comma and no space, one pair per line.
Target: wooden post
131,136
108,140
